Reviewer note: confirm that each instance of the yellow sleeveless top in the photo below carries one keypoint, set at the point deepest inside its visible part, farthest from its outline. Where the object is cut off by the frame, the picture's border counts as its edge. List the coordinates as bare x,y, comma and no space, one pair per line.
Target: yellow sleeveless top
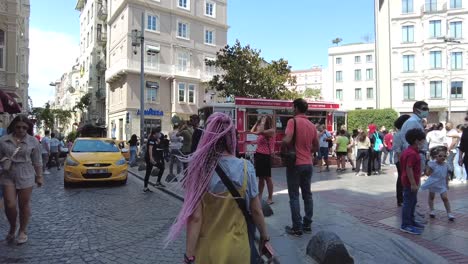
223,237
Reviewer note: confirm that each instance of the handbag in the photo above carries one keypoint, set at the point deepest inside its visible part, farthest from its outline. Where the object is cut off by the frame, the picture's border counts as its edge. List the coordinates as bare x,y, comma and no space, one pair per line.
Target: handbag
288,151
6,162
255,257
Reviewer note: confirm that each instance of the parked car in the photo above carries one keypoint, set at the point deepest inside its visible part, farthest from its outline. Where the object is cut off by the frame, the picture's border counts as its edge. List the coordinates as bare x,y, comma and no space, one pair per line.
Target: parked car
93,160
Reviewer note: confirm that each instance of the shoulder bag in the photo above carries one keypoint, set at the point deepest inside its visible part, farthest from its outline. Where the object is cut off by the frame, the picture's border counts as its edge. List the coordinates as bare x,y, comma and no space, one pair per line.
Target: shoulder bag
254,255
5,162
288,151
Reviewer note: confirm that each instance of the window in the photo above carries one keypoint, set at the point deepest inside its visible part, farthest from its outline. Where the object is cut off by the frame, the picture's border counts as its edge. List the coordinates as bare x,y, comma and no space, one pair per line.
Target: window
357,94
436,89
339,94
407,6
456,30
455,3
357,59
210,69
339,76
370,93
407,34
338,60
357,75
436,59
182,61
210,9
87,18
2,49
182,30
87,39
408,63
191,93
181,92
368,58
151,56
369,74
92,10
152,23
435,29
456,90
431,5
408,91
209,36
92,34
457,60
183,4
151,94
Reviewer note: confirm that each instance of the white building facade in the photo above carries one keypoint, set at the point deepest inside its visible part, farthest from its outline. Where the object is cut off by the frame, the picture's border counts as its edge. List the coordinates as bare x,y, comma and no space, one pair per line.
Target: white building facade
179,35
351,69
14,52
422,55
307,79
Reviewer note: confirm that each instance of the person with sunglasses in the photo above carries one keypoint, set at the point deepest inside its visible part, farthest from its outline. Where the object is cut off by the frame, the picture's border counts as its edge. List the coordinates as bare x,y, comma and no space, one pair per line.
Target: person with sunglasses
18,179
438,181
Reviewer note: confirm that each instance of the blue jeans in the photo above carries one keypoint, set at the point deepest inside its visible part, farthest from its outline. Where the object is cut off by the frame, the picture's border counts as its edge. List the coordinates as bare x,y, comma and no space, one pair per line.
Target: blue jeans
299,177
390,156
409,205
133,153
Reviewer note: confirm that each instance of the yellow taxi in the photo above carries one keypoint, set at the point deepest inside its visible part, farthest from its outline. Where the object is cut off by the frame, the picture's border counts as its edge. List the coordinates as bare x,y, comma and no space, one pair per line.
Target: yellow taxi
93,160
124,148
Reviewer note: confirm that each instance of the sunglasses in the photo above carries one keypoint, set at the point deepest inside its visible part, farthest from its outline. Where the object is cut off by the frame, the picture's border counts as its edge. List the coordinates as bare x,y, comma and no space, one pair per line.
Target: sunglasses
425,108
442,156
22,127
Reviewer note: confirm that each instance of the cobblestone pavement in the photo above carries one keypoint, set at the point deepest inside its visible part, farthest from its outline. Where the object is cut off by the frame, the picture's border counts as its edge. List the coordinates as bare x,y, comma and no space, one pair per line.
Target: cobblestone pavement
96,224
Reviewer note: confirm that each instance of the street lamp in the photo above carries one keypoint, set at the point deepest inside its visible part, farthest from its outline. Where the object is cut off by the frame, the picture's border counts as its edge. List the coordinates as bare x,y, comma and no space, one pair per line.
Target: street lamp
138,39
449,75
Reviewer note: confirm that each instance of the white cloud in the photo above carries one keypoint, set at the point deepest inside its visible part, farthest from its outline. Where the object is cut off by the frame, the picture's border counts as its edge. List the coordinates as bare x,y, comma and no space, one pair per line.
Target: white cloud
51,55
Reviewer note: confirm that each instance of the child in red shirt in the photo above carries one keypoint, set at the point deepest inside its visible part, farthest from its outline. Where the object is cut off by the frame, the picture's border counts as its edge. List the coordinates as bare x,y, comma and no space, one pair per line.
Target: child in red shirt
410,162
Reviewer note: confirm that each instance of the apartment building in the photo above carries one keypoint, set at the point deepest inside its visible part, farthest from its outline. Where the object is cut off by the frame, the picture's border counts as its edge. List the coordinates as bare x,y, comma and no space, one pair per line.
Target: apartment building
309,79
92,58
14,53
351,69
421,55
179,35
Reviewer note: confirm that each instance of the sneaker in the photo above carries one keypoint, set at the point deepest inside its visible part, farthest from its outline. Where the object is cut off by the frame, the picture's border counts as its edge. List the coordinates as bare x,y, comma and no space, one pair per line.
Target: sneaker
146,189
399,204
293,232
307,228
159,184
451,217
353,169
46,172
357,174
432,214
327,169
411,230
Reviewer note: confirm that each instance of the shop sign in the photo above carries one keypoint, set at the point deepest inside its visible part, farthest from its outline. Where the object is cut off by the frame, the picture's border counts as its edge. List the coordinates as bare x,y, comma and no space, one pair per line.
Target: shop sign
151,112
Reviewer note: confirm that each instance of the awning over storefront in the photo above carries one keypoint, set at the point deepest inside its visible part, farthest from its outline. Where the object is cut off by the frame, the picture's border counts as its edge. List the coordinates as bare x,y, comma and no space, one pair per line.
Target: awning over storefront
8,104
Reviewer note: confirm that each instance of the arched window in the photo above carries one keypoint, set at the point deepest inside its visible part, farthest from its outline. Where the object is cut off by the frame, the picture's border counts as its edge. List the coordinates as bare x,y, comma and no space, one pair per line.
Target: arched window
2,49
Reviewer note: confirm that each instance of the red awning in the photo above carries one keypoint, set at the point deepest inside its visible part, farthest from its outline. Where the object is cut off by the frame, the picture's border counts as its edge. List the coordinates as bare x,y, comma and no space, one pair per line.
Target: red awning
9,104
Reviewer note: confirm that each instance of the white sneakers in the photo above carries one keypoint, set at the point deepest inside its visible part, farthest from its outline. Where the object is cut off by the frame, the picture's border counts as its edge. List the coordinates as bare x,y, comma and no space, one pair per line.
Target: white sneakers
46,172
451,217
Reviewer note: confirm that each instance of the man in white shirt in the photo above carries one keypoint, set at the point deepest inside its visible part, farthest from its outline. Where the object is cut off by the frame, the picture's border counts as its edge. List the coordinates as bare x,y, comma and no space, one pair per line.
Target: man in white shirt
452,139
45,146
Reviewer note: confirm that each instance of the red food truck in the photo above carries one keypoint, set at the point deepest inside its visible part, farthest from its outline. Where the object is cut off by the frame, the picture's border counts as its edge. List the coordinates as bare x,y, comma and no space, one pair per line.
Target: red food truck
246,112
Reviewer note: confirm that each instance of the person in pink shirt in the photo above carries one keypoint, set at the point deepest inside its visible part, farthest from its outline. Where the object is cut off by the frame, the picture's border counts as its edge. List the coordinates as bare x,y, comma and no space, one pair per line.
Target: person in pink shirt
388,144
299,176
265,148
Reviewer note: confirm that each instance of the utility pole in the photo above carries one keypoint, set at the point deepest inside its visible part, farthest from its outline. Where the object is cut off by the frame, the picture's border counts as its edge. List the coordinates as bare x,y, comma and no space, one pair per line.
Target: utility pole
138,39
448,40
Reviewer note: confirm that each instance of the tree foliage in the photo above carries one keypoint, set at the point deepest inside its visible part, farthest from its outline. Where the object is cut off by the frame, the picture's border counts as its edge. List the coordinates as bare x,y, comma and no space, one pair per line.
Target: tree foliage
84,102
50,117
245,73
380,117
312,93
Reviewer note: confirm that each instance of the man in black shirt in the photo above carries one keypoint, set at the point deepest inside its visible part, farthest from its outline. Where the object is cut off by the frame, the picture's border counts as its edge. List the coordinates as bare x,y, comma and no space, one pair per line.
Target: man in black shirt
154,157
197,132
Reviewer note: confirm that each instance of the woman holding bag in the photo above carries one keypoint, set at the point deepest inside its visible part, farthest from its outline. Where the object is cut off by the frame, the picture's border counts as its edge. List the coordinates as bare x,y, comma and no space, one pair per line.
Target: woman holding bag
18,178
217,229
265,148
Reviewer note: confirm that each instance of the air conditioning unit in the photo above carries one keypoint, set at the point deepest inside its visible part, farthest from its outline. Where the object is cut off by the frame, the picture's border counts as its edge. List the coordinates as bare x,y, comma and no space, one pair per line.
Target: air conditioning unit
153,49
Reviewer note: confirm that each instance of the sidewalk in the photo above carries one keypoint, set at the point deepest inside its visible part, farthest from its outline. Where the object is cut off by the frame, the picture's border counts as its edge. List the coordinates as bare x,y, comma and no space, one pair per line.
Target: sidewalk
363,212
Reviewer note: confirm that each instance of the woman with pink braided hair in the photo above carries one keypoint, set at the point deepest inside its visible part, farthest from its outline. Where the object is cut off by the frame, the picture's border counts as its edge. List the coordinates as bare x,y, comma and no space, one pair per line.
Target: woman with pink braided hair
216,227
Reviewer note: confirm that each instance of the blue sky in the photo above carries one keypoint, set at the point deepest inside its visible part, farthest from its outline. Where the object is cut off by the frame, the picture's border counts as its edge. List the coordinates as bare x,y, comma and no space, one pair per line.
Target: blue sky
299,31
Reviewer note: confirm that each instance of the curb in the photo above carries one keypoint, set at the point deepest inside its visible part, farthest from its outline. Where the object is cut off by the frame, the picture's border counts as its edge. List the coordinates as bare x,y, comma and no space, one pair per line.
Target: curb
178,197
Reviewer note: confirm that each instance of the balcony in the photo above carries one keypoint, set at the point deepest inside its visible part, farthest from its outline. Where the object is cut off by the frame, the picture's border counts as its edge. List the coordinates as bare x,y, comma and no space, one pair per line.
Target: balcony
433,7
102,10
123,67
101,66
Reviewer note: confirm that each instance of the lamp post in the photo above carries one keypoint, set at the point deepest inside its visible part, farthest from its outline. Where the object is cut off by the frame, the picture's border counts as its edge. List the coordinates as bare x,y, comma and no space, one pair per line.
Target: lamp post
449,75
138,39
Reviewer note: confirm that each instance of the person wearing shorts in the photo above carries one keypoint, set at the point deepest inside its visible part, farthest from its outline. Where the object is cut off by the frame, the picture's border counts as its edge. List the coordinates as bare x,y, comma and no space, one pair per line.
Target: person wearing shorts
323,150
342,143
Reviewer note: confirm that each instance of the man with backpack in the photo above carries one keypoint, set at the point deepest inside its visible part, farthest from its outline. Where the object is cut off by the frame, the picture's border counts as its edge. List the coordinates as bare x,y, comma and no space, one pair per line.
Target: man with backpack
376,140
325,138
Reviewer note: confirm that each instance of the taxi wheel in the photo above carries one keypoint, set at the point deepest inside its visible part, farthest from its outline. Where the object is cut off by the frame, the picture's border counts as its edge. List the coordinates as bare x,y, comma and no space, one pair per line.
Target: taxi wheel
66,184
123,182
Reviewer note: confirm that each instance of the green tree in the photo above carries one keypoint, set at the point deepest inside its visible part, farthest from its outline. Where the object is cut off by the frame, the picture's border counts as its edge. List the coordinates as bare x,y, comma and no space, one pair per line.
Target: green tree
84,102
380,117
44,116
61,116
312,93
246,74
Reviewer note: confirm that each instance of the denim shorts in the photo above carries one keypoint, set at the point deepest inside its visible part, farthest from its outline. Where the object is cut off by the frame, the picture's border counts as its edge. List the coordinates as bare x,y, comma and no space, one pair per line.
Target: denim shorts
323,153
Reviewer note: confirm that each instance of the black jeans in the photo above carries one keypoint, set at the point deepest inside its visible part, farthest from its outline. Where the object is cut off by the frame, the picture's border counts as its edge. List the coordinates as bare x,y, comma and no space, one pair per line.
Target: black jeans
374,161
54,156
399,187
362,158
149,167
